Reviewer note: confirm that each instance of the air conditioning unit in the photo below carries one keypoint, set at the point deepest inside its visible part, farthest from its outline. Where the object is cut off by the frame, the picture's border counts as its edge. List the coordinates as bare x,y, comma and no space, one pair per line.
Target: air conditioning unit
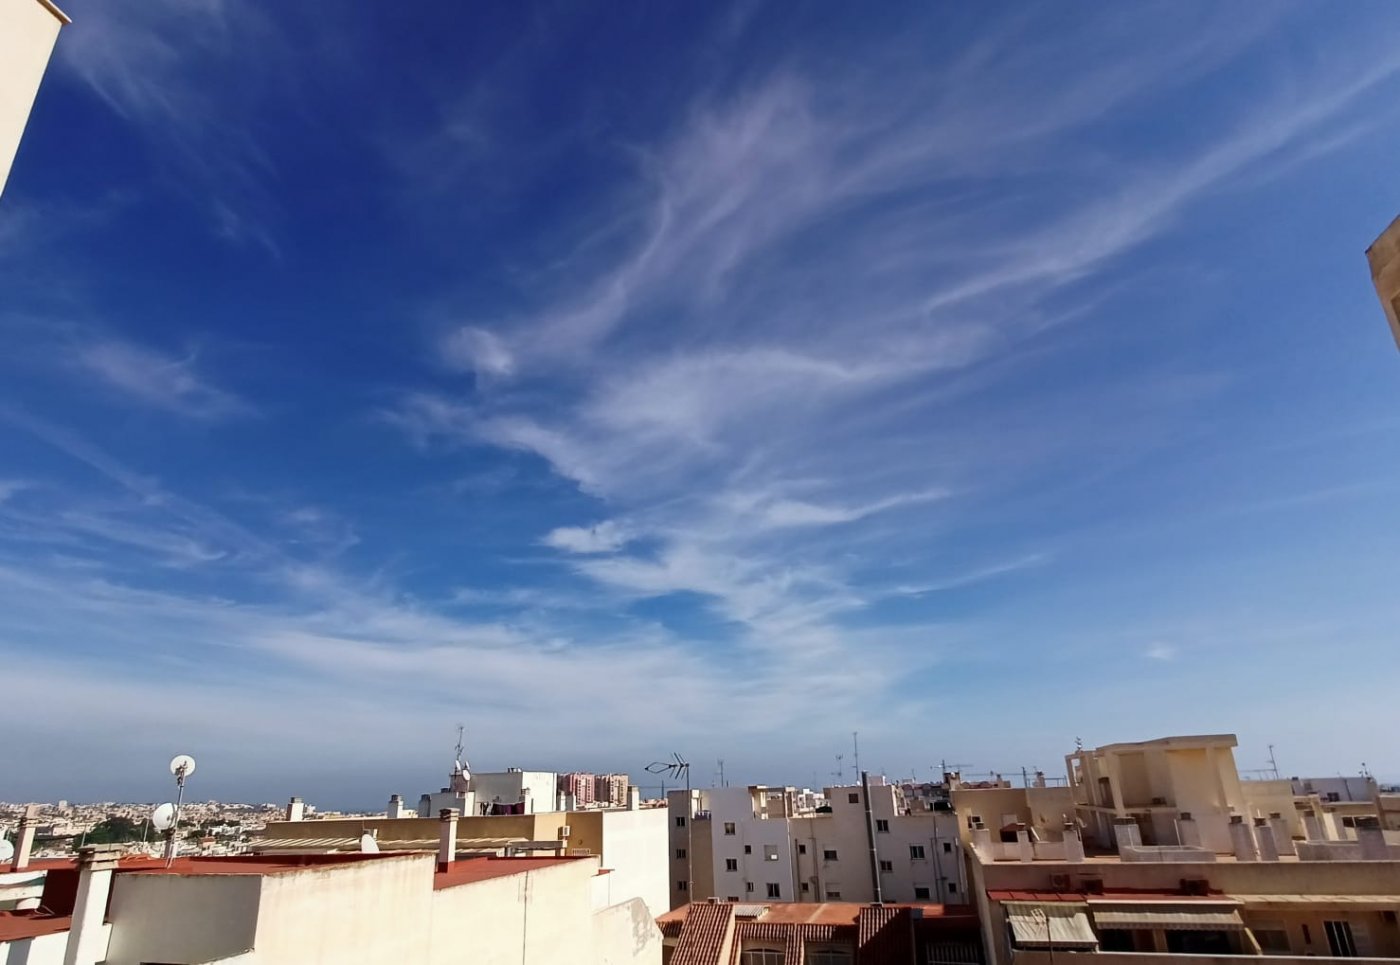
565,831
1060,882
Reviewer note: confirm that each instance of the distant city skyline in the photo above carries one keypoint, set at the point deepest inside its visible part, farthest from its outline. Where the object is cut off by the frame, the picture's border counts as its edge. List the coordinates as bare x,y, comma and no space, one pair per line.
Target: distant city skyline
721,381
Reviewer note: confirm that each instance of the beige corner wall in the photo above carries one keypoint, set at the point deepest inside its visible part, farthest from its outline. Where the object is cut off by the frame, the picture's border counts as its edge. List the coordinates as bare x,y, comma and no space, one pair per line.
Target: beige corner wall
28,30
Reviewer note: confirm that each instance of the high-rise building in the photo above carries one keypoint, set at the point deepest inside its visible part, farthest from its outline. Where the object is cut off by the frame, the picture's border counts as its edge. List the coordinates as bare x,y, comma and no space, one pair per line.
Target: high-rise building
1384,256
581,785
611,789
28,31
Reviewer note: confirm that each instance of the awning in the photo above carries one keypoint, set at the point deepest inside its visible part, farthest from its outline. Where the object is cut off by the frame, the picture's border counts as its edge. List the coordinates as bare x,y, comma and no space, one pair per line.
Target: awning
1045,925
1170,920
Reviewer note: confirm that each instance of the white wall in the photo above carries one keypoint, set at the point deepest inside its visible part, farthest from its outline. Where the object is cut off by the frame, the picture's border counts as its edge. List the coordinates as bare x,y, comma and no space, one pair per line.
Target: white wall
626,934
540,917
28,30
634,847
44,950
510,785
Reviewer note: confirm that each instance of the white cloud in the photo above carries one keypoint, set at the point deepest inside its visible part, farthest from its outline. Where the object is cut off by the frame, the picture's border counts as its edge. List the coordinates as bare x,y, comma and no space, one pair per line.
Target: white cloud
604,537
160,380
1163,652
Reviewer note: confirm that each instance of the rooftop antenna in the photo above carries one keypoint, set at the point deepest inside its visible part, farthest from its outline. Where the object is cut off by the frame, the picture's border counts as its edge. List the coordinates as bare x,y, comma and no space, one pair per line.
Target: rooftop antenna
855,746
677,767
1273,762
721,773
839,774
182,766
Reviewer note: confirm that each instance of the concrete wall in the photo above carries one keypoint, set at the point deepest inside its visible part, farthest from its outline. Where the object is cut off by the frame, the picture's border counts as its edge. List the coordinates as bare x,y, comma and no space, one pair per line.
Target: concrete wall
540,917
172,918
359,914
28,30
44,950
626,934
634,849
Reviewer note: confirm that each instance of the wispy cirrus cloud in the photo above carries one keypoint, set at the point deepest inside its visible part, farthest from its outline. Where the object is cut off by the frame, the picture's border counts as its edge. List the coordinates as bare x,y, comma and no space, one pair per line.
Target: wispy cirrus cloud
157,379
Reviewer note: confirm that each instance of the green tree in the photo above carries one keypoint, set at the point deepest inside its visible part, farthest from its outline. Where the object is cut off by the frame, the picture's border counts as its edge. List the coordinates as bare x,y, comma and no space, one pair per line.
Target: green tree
114,830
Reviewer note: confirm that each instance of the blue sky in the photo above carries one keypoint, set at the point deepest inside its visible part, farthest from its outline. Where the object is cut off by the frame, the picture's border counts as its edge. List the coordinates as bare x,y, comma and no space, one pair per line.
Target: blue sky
722,381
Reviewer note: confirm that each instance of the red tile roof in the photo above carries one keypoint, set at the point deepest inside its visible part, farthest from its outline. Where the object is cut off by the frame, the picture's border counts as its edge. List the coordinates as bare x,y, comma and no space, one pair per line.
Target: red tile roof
467,870
18,925
886,934
706,927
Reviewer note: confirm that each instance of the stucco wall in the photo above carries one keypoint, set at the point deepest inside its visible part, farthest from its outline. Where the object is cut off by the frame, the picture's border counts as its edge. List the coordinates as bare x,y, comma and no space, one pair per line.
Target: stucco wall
634,848
28,30
44,950
361,914
167,918
626,934
541,917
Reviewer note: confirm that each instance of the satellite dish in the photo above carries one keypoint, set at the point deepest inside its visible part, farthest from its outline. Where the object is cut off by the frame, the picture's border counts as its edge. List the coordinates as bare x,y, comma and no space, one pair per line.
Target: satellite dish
368,845
163,817
182,766
7,850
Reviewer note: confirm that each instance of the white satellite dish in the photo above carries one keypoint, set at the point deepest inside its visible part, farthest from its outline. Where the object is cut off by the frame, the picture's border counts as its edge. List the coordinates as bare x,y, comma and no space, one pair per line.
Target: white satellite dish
368,845
7,850
163,817
182,766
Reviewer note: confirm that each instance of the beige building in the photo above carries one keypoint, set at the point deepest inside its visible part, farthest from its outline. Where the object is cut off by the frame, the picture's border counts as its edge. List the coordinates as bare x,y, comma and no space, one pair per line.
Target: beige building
1384,258
332,909
631,843
1168,852
28,31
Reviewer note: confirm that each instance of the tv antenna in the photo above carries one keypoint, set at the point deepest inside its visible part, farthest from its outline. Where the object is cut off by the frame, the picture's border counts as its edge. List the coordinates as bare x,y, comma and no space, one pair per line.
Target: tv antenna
838,775
677,767
182,766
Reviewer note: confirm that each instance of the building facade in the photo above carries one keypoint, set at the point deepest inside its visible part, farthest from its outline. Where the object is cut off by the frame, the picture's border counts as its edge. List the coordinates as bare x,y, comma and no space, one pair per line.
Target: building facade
28,31
1384,258
756,844
579,787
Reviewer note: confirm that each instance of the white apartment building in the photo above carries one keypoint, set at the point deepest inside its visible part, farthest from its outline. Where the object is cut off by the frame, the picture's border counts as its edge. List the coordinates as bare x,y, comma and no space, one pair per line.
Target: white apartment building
756,844
28,31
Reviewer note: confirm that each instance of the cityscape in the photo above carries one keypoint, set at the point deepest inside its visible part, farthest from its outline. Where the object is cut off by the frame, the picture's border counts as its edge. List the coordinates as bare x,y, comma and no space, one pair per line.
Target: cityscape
709,395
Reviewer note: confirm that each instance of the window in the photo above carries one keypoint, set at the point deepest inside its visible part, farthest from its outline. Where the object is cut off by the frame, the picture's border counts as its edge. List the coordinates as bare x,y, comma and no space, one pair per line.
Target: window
680,852
829,855
854,797
680,822
732,898
1333,797
920,894
947,847
1340,939
748,887
882,826
1272,937
916,852
731,864
828,955
762,956
887,866
773,890
1307,936
748,849
728,827
806,887
801,849
952,888
833,895
770,852
682,885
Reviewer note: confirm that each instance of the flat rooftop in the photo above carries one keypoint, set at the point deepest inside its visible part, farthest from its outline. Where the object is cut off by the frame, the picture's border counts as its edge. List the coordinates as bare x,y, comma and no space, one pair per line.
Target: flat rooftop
19,925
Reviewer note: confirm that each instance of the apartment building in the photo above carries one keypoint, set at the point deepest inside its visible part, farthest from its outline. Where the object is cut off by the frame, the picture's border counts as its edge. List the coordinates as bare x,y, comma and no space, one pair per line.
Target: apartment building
1384,259
579,787
348,909
28,31
760,843
611,789
1166,851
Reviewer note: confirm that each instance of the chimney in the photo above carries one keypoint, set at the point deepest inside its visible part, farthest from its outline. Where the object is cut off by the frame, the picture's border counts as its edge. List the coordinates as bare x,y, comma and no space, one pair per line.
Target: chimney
447,838
87,939
1283,835
396,808
1371,837
24,837
1188,832
1264,839
634,797
296,810
1074,844
1312,825
1242,839
982,841
1126,833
